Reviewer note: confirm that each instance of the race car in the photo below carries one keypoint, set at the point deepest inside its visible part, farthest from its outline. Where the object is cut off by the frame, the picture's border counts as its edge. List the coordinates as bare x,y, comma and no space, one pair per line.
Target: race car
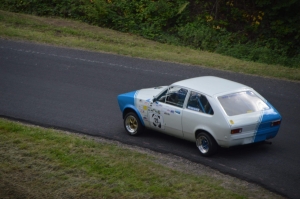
212,112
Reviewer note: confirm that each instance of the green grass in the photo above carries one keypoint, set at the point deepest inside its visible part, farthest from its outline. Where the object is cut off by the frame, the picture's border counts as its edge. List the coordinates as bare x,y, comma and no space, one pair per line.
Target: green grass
44,163
76,34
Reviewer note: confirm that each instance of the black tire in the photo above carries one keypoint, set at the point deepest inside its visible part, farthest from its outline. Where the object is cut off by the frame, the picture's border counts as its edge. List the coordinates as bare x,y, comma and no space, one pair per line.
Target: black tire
132,124
206,144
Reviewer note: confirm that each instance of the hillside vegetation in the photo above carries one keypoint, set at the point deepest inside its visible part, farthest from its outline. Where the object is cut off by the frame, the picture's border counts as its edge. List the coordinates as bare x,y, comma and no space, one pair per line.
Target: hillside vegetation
265,31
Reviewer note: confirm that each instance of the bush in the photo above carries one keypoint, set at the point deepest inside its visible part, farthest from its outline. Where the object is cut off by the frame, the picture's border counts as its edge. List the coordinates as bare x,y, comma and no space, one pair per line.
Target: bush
199,35
91,11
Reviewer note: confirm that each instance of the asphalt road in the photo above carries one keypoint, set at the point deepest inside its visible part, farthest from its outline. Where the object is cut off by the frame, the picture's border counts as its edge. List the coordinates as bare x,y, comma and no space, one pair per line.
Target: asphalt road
77,90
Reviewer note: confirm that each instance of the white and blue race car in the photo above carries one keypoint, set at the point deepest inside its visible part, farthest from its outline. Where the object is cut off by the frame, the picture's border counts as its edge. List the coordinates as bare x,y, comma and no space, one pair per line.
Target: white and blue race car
208,110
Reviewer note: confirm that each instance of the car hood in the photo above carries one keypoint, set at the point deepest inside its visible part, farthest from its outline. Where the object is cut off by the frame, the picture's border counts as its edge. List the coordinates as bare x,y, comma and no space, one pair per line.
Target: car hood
134,98
149,93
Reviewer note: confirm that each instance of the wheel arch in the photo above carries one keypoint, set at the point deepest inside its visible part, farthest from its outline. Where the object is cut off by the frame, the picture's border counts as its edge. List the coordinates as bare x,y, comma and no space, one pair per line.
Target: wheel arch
133,109
205,131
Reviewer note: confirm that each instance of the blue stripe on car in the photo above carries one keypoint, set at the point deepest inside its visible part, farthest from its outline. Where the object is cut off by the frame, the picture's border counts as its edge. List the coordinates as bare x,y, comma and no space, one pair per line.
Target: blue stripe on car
127,100
264,129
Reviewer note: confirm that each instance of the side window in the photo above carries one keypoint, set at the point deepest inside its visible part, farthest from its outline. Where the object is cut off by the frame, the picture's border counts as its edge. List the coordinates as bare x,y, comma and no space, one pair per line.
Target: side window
176,96
199,103
162,97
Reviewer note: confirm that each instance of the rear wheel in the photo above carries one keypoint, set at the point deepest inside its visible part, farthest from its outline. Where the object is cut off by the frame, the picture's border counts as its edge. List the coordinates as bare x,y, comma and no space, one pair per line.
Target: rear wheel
132,124
206,144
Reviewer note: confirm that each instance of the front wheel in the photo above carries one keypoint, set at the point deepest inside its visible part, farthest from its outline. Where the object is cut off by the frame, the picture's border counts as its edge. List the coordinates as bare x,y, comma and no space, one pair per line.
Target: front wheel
132,124
206,144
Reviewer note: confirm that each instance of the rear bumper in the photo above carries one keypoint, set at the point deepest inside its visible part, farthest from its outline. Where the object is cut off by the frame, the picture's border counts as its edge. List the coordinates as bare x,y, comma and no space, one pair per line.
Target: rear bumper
248,137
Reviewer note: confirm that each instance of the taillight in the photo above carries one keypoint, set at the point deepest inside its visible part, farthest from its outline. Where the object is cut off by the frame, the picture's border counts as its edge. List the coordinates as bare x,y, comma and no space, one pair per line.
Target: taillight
235,131
275,123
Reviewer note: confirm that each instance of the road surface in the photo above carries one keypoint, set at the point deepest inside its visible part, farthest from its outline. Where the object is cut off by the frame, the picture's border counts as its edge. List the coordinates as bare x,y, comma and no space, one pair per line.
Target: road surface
77,90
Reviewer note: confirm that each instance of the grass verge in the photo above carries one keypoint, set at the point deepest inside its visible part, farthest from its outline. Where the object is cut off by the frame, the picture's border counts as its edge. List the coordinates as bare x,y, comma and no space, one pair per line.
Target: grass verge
76,34
44,163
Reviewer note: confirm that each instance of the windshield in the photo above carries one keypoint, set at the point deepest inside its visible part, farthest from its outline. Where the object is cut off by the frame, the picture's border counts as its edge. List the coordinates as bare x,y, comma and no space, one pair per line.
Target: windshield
241,103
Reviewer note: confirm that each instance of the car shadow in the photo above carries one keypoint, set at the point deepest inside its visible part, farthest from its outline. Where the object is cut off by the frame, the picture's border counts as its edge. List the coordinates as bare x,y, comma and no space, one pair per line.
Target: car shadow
248,150
188,149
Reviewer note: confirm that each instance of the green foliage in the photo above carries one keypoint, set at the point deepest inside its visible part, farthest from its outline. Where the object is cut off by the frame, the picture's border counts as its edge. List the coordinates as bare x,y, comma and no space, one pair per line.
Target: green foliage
91,11
147,18
199,35
265,31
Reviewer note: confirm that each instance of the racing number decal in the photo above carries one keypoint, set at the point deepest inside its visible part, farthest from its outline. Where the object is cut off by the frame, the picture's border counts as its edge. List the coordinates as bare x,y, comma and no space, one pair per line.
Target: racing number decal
156,119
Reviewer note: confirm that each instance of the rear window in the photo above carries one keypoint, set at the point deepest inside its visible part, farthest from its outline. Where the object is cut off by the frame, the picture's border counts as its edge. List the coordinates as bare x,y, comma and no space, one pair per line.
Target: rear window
241,103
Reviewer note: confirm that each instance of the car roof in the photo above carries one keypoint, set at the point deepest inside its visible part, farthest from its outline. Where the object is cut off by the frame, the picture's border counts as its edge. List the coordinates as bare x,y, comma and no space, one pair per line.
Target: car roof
211,85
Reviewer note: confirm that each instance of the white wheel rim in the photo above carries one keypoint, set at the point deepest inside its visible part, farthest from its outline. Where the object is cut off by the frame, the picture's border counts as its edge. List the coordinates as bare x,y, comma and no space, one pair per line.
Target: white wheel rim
202,144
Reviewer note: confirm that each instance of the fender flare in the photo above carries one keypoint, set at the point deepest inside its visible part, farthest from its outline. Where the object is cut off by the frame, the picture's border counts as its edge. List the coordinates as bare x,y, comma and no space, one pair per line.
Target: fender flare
133,108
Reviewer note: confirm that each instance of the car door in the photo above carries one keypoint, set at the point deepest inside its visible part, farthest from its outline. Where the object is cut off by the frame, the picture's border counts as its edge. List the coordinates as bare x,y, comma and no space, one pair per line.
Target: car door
198,114
166,112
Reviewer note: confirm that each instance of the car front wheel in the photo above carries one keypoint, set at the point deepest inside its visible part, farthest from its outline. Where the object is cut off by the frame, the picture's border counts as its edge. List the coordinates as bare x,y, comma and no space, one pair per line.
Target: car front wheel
132,124
206,144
